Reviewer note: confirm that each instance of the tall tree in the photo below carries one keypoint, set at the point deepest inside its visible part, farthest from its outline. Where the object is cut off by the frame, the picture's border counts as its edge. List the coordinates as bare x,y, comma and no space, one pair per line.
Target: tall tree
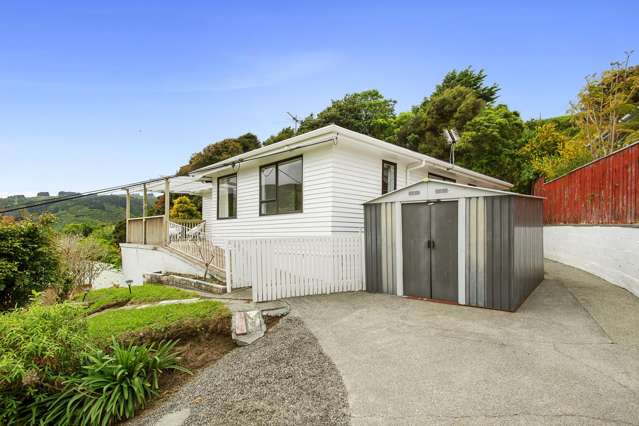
607,109
367,112
475,80
220,151
449,108
491,141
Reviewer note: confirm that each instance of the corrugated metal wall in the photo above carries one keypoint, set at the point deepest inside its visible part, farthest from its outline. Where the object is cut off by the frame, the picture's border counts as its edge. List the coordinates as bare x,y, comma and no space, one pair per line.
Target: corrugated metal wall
504,250
604,191
489,252
528,253
379,222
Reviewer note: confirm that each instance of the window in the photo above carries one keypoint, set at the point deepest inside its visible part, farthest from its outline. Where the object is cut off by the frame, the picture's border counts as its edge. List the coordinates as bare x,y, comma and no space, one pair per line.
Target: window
227,197
389,176
440,177
281,187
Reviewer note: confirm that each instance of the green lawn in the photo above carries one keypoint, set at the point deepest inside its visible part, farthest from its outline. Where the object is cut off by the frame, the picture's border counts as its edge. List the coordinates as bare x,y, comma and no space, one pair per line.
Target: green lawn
120,321
146,293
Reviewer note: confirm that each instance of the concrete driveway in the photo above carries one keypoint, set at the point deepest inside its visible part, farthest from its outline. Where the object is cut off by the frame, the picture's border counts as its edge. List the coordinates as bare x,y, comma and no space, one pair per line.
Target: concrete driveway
570,355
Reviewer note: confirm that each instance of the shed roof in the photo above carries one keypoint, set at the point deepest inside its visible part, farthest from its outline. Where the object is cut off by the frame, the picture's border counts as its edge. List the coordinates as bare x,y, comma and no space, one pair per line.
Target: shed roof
433,189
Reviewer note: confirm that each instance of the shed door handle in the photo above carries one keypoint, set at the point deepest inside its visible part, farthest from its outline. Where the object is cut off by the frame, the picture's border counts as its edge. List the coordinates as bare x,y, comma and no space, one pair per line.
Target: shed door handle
432,243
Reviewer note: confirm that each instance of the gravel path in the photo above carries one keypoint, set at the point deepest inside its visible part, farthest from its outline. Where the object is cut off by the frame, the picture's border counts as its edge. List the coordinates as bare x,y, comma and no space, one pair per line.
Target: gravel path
283,378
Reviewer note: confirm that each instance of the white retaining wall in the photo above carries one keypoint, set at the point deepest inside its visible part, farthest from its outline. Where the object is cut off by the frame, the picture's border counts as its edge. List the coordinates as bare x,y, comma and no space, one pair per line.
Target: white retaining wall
138,260
610,252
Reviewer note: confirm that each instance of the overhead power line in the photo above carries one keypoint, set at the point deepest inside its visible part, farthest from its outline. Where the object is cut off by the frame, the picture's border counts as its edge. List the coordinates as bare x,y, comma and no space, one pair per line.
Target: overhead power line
211,168
81,195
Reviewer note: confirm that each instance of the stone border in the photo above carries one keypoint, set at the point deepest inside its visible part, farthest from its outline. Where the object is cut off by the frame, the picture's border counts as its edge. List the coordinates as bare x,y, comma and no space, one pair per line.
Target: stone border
183,282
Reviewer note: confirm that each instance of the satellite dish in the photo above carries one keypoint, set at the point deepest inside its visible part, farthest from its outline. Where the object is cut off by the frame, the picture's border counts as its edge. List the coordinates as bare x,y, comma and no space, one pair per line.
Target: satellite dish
451,135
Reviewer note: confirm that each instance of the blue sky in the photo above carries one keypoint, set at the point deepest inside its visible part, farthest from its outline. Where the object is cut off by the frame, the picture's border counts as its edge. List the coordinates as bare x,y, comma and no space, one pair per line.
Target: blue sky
95,94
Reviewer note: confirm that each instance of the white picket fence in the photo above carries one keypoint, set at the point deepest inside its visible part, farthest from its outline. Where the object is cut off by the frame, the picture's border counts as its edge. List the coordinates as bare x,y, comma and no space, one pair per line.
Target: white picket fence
290,267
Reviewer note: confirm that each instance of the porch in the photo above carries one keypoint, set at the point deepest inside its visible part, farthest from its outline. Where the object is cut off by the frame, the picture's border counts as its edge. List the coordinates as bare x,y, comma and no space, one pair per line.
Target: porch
184,237
274,268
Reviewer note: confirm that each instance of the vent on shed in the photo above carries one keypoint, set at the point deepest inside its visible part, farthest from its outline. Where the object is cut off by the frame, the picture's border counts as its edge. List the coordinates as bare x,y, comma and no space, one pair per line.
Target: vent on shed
441,191
413,193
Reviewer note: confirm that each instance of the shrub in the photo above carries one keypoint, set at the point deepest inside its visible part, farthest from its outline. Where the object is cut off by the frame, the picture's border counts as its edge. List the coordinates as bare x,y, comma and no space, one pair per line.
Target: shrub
112,385
82,261
39,348
28,260
184,208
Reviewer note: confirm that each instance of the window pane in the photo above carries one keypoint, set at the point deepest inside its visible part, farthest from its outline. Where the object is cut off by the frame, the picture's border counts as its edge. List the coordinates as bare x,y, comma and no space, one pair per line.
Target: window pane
268,207
227,197
289,186
268,190
388,177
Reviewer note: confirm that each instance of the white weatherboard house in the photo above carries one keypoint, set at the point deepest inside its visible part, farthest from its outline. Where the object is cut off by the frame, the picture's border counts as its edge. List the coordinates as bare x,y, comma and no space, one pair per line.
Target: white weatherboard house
287,218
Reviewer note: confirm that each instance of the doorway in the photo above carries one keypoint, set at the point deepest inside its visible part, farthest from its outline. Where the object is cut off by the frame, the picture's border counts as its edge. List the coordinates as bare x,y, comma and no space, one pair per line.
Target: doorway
429,244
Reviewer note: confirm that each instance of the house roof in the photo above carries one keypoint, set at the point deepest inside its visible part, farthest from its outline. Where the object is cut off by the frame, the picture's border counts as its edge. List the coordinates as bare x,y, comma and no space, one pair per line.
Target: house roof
334,133
429,191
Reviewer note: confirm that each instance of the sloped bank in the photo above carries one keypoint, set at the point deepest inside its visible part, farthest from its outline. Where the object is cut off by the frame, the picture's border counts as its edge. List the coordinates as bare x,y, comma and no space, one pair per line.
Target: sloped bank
283,378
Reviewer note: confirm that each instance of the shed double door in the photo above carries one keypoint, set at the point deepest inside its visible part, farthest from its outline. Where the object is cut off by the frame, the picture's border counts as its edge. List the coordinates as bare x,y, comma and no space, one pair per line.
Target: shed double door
429,244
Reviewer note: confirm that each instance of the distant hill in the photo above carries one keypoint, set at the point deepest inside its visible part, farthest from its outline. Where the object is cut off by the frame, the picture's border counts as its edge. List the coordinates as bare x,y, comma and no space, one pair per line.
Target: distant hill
93,210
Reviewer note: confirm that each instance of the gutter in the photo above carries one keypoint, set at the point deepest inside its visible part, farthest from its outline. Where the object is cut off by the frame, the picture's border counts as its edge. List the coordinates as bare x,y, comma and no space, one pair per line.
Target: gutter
409,169
204,172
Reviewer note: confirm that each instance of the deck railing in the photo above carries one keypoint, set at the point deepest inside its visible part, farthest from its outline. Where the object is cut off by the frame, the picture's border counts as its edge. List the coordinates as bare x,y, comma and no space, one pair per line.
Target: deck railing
146,230
189,238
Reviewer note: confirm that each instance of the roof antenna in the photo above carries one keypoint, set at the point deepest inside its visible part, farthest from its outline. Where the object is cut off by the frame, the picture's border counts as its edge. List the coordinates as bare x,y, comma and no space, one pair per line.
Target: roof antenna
296,120
452,137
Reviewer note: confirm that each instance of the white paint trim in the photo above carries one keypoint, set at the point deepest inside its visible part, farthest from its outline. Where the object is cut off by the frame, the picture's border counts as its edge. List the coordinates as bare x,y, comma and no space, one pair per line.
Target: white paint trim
399,251
461,251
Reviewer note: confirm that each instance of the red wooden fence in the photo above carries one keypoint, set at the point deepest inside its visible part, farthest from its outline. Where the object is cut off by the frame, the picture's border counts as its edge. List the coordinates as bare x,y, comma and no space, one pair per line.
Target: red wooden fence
605,191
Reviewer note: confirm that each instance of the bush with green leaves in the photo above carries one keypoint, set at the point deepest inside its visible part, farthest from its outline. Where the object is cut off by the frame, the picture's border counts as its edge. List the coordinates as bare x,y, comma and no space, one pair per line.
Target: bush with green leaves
111,387
40,347
29,261
52,373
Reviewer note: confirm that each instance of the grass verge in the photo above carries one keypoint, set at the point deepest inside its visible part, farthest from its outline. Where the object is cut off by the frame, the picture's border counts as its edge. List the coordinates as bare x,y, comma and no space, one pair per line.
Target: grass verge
99,300
159,322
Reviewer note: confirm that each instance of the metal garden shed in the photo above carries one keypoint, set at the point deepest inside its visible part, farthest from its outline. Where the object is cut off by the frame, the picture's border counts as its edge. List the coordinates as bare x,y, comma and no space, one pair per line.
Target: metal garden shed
457,243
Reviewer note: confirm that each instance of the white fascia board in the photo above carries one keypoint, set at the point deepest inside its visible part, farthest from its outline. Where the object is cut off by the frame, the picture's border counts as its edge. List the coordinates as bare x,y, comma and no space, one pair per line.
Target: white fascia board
333,129
278,147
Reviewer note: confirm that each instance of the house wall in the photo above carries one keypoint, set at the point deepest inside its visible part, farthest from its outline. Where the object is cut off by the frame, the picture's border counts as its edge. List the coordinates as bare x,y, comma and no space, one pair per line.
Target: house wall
609,252
314,220
338,180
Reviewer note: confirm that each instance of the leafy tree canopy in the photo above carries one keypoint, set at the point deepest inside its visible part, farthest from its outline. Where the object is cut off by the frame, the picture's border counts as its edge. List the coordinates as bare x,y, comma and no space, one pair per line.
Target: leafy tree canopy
184,208
220,151
285,133
474,80
450,108
367,112
607,109
29,260
490,143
